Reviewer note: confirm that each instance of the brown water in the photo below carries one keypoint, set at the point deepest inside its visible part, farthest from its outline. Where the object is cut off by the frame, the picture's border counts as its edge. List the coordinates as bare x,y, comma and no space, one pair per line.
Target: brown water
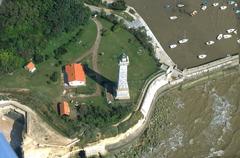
205,26
193,122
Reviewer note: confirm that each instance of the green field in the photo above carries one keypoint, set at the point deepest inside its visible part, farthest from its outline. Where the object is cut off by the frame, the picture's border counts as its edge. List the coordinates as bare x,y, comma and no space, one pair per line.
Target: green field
44,94
92,113
38,80
141,64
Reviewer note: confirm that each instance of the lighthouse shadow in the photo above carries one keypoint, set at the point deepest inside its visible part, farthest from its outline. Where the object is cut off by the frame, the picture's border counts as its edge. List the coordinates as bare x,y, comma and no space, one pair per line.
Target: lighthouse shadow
107,84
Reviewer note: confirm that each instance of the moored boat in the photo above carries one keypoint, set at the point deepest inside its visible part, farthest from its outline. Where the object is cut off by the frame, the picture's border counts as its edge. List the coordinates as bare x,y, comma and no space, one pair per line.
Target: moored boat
231,2
173,46
215,4
185,40
238,41
230,30
223,7
173,17
180,5
210,43
202,56
220,36
204,7
227,36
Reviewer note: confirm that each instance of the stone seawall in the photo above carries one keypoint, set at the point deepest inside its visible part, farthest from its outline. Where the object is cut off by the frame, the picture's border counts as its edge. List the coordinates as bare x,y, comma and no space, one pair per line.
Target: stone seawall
229,61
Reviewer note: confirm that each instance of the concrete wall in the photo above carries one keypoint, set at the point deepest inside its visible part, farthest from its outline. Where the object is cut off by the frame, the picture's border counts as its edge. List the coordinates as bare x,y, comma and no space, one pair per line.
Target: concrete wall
221,63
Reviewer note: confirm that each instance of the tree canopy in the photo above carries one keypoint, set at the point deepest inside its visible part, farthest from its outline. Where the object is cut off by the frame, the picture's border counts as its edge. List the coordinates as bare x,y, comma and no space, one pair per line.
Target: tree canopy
26,26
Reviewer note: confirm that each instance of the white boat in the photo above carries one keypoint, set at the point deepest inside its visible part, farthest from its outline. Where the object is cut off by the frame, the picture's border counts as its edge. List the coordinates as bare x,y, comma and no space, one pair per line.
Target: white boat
235,32
238,41
202,56
231,2
215,4
227,36
185,40
193,13
180,5
230,30
173,46
220,36
223,7
210,43
204,7
237,11
173,17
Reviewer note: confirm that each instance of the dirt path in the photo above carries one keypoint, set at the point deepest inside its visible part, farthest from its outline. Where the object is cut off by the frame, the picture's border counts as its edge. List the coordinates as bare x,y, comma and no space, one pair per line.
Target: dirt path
94,52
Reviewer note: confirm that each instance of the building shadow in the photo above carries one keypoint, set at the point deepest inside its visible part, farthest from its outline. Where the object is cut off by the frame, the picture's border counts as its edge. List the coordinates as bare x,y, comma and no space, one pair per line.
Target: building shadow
16,134
107,84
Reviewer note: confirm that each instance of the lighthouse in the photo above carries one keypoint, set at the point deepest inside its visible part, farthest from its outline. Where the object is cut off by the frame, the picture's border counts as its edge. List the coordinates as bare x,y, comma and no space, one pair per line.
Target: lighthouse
122,86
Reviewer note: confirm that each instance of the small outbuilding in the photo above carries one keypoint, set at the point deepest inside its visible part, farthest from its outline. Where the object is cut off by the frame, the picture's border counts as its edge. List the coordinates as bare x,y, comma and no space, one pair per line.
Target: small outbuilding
75,75
64,108
30,67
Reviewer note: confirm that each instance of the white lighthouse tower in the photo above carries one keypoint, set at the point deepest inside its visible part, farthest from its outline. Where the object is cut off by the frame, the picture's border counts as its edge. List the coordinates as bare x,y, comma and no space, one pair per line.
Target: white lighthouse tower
122,87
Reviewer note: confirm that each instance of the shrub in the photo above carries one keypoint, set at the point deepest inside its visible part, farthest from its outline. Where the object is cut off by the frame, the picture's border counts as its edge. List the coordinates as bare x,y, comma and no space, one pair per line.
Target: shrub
59,52
54,76
118,5
38,58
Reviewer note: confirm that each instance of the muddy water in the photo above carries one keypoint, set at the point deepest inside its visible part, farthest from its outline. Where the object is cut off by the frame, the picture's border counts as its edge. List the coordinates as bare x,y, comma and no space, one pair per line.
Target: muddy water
193,122
205,26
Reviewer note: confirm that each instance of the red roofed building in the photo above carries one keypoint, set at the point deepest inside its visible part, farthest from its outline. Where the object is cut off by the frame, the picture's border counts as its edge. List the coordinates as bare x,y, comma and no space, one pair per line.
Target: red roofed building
75,75
64,108
30,67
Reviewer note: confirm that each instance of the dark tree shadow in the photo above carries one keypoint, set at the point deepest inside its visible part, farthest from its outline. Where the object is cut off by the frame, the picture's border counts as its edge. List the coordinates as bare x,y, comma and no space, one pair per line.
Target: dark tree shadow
82,154
16,134
100,79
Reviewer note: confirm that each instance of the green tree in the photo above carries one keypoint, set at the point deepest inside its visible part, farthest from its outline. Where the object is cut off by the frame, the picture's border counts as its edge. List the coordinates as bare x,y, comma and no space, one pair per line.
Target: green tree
118,5
38,58
9,61
54,76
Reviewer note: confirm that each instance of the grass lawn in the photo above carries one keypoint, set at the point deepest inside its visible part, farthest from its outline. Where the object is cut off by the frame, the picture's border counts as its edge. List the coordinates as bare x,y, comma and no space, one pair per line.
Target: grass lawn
48,94
141,64
44,95
38,80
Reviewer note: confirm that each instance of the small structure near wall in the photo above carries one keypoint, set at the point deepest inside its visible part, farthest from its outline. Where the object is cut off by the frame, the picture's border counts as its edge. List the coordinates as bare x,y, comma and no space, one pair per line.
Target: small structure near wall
122,87
75,75
30,67
64,109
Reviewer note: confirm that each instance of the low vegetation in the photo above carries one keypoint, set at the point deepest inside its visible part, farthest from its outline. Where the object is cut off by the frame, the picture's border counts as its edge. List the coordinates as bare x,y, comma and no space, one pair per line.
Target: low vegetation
91,117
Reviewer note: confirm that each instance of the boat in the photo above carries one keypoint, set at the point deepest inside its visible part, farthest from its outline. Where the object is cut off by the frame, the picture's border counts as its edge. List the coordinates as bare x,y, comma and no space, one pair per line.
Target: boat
215,4
185,40
173,46
180,5
210,43
173,17
230,30
193,13
235,32
202,56
204,7
220,36
227,36
223,7
238,41
231,2
237,11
